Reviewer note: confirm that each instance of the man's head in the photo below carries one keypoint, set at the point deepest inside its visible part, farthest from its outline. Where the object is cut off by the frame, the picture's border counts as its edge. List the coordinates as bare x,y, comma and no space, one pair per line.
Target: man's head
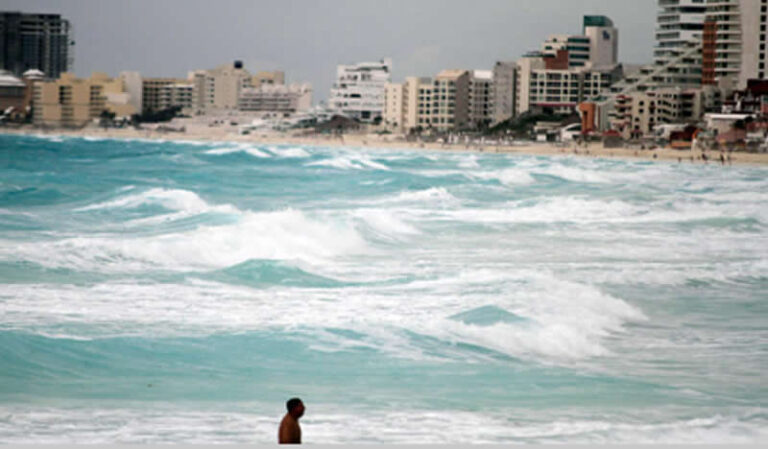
295,407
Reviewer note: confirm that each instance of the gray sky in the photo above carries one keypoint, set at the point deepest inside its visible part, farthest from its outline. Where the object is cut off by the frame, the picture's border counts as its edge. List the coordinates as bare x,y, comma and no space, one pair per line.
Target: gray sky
308,38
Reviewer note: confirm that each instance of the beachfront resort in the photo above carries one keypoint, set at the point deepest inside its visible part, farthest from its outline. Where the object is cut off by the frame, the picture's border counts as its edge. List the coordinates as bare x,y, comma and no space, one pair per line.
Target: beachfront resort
706,89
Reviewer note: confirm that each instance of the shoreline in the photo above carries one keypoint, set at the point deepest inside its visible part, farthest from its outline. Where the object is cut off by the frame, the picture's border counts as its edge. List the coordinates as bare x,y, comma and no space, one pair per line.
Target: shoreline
373,141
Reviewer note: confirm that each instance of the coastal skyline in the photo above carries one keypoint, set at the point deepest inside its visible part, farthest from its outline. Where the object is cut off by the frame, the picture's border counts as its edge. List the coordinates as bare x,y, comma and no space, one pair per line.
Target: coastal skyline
308,40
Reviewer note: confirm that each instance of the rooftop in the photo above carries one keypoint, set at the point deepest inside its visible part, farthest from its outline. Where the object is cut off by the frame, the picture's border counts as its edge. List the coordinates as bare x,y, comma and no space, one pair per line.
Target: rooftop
451,74
8,80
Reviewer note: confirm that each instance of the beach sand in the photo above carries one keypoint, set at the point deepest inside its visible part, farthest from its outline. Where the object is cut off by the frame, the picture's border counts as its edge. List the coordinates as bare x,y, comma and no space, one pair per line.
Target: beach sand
387,141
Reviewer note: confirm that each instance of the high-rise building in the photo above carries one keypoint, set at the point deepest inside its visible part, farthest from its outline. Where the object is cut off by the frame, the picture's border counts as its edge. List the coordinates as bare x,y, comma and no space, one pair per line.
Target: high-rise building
735,41
450,100
394,107
417,103
219,89
598,46
603,41
546,82
35,41
680,26
359,90
480,98
504,90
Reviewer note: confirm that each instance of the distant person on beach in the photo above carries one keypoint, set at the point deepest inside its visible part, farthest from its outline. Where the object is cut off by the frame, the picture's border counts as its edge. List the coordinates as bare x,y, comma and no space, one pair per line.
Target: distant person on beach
290,431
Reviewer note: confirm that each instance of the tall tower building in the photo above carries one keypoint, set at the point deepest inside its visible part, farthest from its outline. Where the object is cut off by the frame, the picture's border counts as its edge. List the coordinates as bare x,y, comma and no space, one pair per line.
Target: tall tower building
680,25
35,41
735,41
603,41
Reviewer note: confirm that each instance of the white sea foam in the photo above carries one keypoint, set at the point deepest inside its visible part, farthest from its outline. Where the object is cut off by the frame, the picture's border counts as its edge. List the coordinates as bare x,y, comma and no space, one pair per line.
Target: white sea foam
172,199
564,321
283,235
359,162
574,174
385,222
469,162
255,152
432,195
508,176
157,424
290,153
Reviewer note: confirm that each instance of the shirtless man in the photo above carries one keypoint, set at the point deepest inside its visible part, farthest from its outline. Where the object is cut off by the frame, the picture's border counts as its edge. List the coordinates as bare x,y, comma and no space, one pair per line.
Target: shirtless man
290,431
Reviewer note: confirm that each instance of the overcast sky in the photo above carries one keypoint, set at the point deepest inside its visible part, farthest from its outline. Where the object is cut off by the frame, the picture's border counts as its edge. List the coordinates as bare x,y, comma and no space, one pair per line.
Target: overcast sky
308,38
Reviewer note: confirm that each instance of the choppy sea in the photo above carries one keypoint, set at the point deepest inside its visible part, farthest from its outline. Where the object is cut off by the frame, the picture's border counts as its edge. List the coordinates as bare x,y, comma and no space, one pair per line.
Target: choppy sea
156,292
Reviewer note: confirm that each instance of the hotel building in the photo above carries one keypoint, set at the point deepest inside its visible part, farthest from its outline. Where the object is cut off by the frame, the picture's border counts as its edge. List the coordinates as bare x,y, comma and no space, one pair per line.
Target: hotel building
75,102
276,98
480,98
35,41
359,90
680,25
734,43
394,113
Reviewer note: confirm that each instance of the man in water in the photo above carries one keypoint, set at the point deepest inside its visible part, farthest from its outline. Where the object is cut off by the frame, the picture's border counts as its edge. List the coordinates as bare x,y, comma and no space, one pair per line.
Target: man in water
290,431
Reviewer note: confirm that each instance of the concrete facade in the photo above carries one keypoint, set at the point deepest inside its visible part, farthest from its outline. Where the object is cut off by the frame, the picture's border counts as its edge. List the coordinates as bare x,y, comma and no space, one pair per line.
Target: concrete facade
394,107
359,90
75,102
12,94
504,91
481,88
276,98
735,41
164,93
680,24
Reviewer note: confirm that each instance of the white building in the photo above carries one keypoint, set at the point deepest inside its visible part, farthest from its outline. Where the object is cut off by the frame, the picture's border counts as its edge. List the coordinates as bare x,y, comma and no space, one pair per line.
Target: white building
283,99
603,41
680,24
359,90
132,83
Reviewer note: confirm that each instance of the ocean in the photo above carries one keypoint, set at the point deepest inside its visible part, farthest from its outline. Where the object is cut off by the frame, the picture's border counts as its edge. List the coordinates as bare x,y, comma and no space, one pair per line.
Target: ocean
160,291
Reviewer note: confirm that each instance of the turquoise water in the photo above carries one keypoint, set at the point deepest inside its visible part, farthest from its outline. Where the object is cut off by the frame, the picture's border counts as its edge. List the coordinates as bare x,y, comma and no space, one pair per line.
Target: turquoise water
181,292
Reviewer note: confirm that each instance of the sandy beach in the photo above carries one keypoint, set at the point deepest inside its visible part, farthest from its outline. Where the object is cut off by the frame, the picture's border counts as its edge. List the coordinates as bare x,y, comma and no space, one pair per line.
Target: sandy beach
595,149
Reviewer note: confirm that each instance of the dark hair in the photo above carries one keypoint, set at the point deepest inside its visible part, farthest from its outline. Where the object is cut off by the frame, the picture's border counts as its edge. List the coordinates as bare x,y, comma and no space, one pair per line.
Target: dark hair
292,403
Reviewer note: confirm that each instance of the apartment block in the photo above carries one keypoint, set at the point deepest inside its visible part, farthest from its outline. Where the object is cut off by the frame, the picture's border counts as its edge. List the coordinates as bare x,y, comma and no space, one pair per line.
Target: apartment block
75,102
734,41
276,98
359,90
481,111
275,78
504,91
35,41
546,82
164,93
597,46
680,25
394,107
641,112
219,89
417,102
